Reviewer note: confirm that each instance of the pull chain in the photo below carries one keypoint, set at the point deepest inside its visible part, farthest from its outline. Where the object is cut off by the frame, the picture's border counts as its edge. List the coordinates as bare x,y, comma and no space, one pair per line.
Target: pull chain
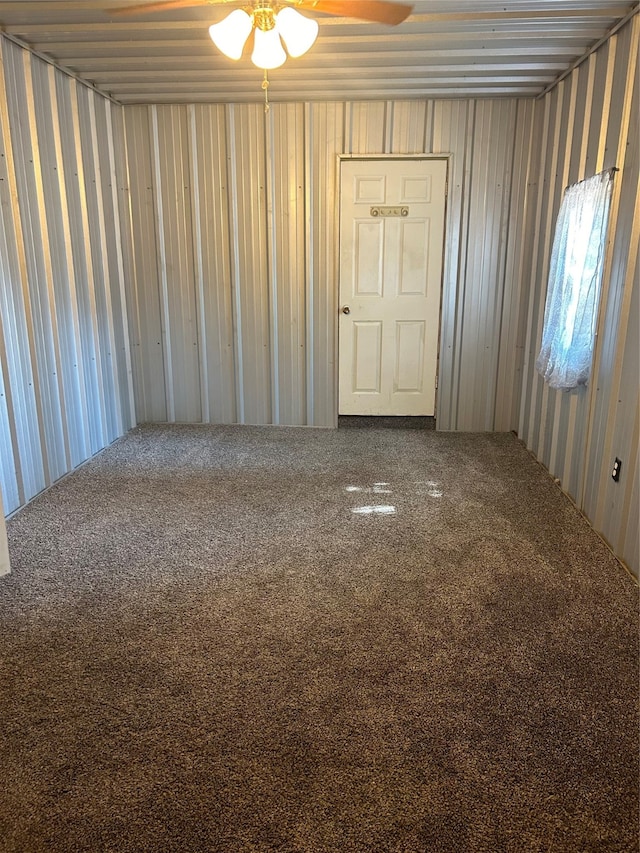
265,87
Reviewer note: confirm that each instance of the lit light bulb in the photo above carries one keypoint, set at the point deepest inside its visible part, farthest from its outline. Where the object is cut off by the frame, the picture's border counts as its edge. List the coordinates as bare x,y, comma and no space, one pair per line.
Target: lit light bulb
231,34
298,32
267,49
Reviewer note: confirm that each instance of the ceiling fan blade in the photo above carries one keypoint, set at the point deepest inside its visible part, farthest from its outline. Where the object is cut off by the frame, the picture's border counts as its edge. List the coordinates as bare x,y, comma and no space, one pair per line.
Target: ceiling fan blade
379,11
162,6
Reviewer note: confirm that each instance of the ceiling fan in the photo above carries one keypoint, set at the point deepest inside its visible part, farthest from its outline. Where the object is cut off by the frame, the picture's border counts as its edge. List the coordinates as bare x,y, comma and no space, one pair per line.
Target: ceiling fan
377,11
272,22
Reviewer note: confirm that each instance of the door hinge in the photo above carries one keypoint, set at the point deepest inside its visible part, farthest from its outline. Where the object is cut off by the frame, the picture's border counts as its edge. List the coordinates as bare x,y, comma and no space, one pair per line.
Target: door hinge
436,381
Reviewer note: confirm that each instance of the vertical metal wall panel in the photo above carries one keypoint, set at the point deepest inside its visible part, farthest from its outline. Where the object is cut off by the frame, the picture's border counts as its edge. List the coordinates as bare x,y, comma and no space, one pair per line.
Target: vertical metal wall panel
409,126
512,326
83,307
582,119
619,510
365,130
9,481
175,242
621,92
574,401
324,134
532,280
287,262
552,192
250,275
629,549
161,263
452,133
24,409
143,290
52,211
99,162
91,292
61,172
562,406
592,125
121,192
38,274
605,60
210,217
122,406
55,401
551,401
613,402
494,127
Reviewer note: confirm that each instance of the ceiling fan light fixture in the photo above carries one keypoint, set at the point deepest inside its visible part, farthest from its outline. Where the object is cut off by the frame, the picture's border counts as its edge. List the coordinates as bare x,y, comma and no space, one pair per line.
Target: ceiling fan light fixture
231,34
267,49
297,32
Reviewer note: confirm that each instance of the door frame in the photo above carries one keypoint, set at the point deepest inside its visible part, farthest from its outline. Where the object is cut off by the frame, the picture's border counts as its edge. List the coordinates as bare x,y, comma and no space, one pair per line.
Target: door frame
445,257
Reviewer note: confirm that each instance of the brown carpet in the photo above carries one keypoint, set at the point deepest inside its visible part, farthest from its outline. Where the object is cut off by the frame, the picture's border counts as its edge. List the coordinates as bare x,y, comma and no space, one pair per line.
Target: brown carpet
272,639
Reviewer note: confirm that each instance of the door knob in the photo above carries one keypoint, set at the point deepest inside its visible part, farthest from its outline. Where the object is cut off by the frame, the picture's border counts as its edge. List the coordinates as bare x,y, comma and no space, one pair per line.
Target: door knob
346,310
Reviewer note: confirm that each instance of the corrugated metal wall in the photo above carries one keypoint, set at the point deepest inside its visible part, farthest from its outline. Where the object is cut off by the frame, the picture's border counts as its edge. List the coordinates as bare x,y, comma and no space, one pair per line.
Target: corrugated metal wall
65,376
588,123
234,261
223,223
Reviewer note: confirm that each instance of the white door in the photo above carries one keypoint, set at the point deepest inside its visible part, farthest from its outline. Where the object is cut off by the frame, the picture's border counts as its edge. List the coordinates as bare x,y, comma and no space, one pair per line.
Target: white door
392,216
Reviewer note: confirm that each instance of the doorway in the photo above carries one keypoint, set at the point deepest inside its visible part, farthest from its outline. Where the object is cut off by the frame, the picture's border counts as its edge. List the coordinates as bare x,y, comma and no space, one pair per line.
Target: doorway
392,215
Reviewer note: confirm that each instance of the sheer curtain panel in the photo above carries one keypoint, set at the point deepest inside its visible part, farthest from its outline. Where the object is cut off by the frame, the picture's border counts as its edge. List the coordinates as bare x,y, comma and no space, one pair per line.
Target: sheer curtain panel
573,289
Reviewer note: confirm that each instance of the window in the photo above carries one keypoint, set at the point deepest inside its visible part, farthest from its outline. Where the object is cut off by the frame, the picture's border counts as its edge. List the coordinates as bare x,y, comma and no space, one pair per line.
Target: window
573,290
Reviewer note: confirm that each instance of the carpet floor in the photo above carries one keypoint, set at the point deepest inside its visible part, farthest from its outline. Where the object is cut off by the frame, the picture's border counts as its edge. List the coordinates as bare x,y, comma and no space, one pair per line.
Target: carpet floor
247,640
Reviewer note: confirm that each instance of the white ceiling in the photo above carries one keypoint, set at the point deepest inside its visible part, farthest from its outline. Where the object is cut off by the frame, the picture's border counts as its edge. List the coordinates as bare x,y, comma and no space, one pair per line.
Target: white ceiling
445,49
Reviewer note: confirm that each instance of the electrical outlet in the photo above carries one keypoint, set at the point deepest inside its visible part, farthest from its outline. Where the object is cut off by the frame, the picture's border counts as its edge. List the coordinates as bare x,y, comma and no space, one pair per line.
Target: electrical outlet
615,472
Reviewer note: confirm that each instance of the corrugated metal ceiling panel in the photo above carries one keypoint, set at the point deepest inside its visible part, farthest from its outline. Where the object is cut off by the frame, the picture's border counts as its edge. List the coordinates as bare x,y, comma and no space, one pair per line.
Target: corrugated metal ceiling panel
482,49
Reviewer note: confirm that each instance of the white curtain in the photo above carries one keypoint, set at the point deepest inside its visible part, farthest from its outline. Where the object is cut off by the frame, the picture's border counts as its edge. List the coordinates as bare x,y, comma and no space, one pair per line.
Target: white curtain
573,290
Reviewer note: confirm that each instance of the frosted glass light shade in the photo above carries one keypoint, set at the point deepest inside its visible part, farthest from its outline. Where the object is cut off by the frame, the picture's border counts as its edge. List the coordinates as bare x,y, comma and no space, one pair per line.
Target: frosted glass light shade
298,32
267,49
231,34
